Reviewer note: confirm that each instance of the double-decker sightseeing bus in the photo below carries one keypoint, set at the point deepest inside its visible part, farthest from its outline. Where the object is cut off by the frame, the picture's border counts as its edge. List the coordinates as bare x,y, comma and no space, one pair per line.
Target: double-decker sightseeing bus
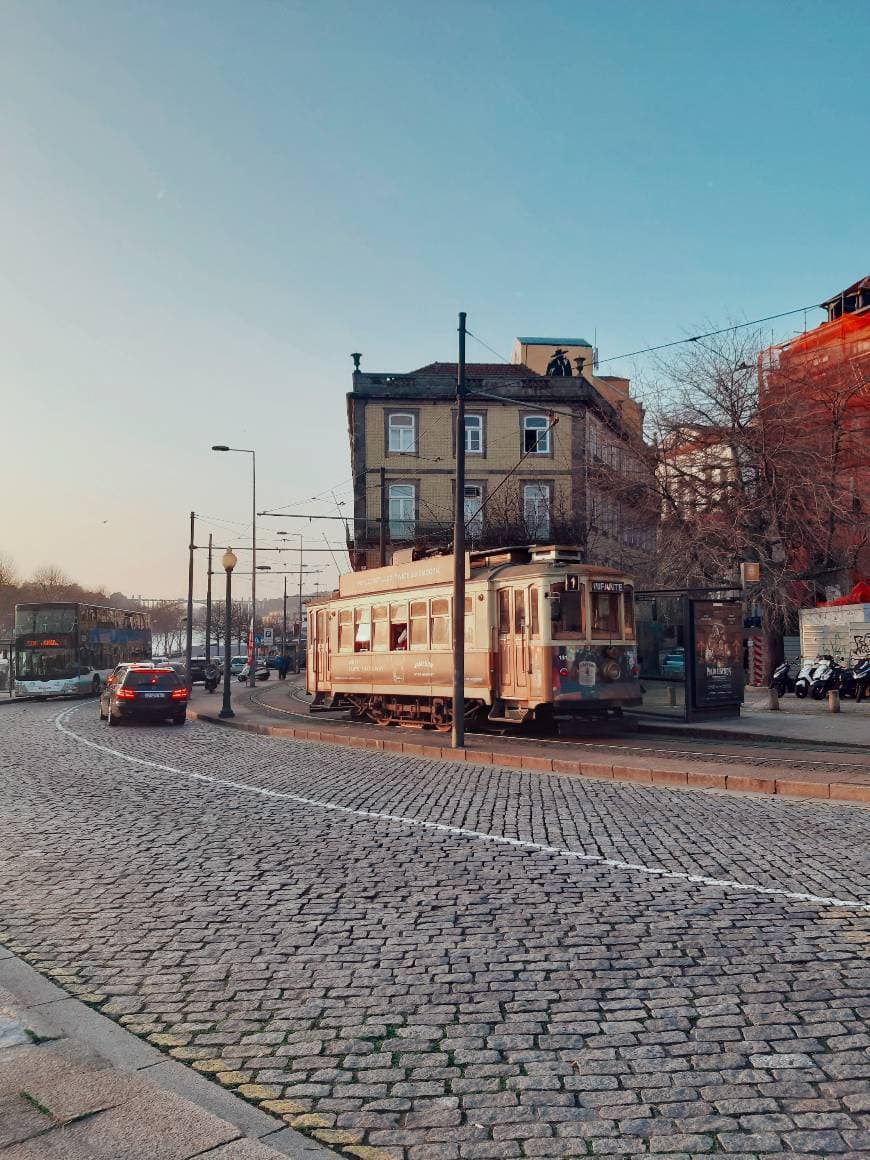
68,649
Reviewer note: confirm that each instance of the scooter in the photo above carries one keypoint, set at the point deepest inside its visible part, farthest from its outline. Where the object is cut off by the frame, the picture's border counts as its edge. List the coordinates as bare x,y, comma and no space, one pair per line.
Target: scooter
782,679
861,677
826,676
804,678
211,679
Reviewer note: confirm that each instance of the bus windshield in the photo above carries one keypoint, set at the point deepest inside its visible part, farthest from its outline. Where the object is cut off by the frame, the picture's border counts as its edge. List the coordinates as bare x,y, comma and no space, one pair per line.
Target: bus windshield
46,664
50,618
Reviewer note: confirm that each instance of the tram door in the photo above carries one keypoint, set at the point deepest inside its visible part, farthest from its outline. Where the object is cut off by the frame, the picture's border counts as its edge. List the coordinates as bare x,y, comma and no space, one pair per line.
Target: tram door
321,651
513,676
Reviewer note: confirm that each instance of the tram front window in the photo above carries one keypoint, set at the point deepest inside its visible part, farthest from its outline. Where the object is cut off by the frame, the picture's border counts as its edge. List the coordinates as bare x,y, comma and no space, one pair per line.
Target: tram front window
568,608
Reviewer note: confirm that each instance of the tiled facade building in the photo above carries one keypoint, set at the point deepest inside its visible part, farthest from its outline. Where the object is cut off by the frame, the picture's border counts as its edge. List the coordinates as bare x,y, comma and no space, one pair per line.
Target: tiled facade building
532,435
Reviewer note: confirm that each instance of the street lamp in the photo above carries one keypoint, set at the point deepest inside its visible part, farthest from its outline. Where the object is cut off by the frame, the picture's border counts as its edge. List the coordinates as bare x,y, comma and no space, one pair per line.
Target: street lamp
252,674
229,562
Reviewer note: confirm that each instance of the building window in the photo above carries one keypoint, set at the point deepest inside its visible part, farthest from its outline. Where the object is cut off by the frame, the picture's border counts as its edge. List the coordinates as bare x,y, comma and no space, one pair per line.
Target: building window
402,435
536,509
474,510
536,435
474,434
402,497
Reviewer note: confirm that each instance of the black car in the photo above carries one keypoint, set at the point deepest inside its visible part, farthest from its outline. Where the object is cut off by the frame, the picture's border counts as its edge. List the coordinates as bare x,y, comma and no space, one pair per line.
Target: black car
144,691
198,666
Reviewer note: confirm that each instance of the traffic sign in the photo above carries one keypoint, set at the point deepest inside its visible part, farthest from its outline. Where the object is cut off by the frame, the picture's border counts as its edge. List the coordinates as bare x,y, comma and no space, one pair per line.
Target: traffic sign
258,639
268,635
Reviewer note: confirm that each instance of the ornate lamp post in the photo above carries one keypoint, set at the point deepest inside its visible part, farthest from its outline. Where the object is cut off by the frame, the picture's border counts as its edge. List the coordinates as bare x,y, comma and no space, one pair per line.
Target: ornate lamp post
229,562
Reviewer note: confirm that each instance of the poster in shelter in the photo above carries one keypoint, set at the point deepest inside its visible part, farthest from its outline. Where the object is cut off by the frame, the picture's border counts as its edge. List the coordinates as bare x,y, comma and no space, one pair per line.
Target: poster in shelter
718,645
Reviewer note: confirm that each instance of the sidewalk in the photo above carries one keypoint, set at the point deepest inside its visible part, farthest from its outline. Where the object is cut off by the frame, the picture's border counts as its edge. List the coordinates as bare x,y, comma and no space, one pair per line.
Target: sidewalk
797,720
848,782
76,1086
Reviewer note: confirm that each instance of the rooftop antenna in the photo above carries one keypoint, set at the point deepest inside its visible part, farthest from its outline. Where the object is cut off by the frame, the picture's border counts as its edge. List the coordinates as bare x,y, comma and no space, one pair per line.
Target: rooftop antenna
595,349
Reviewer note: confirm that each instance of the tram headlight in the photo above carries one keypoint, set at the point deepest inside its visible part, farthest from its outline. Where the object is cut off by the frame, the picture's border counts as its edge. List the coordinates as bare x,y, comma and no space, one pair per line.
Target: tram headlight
610,670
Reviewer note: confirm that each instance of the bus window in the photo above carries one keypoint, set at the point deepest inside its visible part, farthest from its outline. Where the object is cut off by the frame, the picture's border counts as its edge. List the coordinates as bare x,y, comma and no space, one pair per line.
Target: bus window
605,614
568,608
419,623
345,630
504,611
534,617
519,610
628,613
380,628
398,627
440,626
362,637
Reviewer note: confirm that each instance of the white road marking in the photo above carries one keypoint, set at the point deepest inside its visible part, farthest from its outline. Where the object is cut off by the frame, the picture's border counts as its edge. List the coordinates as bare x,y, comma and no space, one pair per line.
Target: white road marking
460,831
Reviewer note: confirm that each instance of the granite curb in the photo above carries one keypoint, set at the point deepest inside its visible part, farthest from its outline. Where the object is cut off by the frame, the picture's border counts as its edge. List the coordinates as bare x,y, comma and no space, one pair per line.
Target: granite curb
80,1083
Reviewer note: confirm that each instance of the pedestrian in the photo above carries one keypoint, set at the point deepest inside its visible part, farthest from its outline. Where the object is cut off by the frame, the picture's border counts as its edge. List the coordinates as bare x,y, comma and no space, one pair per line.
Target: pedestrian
282,667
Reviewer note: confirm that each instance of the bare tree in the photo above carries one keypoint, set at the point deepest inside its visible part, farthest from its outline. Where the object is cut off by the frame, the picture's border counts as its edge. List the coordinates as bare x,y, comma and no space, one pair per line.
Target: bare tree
739,471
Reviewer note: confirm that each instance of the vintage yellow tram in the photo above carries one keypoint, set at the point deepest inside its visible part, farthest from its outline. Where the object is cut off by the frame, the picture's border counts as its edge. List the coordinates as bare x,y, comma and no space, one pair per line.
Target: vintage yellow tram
547,637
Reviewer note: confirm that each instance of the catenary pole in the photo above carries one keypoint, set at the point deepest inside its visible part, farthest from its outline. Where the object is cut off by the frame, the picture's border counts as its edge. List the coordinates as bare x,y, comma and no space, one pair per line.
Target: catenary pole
299,637
208,606
188,647
382,529
458,727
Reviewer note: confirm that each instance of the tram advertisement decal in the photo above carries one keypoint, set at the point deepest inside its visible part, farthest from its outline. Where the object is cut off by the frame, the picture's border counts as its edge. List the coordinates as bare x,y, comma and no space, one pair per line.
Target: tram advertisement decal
718,643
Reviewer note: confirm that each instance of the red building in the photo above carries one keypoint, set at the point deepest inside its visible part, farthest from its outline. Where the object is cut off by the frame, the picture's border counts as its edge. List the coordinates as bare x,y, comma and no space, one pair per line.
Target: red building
823,375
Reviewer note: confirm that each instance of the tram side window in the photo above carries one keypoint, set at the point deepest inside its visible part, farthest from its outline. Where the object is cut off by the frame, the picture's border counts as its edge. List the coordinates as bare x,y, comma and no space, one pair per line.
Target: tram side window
362,637
605,614
628,613
419,623
534,616
345,630
380,628
398,627
568,608
440,627
469,620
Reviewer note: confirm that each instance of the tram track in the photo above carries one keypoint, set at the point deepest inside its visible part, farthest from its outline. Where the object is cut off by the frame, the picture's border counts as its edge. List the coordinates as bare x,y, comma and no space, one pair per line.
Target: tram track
789,754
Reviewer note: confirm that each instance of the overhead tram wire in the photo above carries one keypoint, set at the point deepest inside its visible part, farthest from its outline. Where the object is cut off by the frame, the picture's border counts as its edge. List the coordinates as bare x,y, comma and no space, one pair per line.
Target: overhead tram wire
676,341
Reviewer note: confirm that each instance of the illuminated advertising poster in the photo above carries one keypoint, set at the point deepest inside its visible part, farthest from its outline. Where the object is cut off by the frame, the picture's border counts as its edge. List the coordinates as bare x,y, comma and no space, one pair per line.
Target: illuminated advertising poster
718,643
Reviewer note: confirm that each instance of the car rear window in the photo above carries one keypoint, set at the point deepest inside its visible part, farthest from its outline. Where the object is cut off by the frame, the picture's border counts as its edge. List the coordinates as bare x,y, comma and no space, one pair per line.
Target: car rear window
152,680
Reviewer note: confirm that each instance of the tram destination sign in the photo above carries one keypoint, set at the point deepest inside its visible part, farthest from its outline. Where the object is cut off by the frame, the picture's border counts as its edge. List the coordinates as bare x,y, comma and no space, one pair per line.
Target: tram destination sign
608,586
414,574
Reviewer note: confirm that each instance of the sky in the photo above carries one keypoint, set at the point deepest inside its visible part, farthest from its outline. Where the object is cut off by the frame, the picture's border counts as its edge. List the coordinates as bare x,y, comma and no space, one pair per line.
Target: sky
206,206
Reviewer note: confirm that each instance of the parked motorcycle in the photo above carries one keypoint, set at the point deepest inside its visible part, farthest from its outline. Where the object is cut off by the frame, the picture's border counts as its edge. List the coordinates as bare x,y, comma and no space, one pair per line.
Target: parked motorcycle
861,677
782,679
804,678
211,678
826,676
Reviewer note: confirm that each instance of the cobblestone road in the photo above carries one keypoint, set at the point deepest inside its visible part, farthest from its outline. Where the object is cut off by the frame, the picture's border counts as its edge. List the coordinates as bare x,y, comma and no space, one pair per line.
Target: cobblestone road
400,989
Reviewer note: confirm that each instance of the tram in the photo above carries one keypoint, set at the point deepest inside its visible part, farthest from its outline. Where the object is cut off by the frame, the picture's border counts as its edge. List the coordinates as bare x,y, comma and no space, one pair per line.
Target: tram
547,638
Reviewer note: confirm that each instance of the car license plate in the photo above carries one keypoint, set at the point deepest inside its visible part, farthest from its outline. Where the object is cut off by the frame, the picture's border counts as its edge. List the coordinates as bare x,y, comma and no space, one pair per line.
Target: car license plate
151,694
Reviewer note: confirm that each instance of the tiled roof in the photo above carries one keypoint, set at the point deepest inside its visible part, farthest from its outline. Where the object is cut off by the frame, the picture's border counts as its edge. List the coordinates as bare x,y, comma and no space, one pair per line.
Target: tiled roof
855,288
479,371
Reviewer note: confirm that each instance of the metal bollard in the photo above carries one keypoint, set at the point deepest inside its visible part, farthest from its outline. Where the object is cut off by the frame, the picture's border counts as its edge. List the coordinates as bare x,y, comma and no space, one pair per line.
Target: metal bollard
773,699
834,701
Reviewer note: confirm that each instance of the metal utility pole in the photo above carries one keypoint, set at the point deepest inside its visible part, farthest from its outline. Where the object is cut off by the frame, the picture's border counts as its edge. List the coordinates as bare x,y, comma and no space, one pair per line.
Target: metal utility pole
252,668
284,624
382,533
208,606
188,648
299,637
458,729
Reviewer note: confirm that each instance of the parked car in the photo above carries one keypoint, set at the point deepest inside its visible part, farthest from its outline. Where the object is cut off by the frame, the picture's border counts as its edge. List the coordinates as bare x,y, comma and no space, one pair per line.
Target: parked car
144,690
263,672
237,664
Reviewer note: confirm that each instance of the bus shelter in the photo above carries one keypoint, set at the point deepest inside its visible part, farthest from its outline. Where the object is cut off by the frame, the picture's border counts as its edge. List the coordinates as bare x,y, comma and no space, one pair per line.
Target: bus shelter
690,653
